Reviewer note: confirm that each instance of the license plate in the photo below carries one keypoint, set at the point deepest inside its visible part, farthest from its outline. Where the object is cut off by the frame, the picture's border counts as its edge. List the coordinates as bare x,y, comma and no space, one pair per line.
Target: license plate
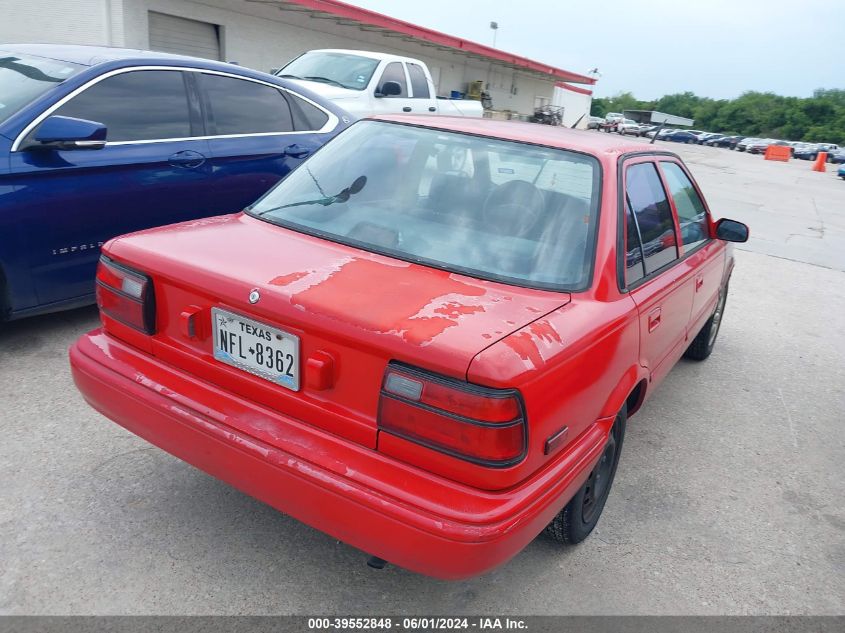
257,348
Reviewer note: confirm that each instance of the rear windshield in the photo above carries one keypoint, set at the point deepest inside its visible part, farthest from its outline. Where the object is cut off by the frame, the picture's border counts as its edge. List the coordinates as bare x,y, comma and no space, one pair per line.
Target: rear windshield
24,78
493,209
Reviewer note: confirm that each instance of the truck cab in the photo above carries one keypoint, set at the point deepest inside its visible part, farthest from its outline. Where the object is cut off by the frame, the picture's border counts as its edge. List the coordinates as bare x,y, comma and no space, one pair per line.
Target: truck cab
366,83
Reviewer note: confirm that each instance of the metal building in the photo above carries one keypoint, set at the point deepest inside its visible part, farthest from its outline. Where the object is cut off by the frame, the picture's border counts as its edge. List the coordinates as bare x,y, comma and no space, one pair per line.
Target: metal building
264,34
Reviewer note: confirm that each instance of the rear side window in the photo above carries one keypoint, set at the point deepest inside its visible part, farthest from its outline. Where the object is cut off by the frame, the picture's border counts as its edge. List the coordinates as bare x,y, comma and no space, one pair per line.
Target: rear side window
419,84
394,72
652,214
306,117
142,105
239,106
692,216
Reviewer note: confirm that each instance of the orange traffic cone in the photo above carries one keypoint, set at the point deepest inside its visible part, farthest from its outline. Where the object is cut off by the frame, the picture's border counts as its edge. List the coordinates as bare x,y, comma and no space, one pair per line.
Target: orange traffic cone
821,159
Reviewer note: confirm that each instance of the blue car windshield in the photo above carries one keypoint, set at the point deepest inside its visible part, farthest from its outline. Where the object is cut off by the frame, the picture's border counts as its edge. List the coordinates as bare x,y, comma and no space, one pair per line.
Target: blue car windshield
23,78
493,209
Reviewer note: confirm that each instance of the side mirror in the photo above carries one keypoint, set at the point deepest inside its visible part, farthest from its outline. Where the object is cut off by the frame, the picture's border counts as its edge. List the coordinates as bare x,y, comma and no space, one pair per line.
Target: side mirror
731,231
63,132
389,89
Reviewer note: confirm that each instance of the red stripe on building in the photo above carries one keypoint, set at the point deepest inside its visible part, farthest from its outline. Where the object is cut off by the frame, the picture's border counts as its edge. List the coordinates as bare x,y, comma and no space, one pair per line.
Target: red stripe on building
371,18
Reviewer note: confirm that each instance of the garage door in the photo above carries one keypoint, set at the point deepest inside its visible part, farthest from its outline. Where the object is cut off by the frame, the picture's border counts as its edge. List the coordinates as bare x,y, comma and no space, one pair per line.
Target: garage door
170,34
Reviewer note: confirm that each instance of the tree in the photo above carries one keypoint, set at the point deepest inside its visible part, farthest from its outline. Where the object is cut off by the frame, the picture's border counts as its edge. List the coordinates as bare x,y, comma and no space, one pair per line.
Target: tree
820,118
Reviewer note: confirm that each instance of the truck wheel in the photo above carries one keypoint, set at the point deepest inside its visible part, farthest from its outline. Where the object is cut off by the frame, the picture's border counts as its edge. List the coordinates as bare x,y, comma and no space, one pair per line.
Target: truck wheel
702,345
578,518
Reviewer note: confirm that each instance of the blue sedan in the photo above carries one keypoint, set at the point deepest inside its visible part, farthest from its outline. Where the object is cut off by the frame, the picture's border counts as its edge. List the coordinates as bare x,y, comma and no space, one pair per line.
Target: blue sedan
681,136
97,142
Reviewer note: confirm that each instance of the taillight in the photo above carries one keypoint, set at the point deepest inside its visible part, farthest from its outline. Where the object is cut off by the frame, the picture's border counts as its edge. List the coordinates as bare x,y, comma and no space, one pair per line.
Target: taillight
478,424
125,295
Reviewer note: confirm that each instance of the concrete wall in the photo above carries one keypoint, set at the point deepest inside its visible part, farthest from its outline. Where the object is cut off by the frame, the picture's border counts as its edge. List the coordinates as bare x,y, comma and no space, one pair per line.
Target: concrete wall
264,37
62,21
256,35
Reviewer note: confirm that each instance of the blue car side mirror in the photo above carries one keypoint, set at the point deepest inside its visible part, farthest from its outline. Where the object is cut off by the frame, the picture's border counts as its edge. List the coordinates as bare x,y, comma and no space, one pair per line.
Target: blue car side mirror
63,132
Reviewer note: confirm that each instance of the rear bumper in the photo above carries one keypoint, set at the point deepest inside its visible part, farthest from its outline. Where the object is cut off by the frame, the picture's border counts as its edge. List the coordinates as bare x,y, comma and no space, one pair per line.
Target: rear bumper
397,512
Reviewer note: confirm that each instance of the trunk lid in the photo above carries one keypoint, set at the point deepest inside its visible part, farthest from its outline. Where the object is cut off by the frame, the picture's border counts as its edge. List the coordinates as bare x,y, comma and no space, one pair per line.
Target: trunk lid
356,308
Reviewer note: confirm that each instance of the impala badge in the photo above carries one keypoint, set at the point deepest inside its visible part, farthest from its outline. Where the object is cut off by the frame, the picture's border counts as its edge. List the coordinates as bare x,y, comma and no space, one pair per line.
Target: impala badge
254,295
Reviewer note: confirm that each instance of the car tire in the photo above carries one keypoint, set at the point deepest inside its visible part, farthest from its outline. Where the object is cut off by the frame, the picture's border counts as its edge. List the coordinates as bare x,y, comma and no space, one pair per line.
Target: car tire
704,342
578,518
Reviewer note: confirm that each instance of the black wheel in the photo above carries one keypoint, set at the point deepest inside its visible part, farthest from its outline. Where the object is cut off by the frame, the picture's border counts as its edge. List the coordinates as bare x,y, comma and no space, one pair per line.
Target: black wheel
704,342
578,518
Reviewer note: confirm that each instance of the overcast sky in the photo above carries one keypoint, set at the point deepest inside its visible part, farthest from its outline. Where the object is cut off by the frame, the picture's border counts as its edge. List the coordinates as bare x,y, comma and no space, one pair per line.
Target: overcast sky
715,48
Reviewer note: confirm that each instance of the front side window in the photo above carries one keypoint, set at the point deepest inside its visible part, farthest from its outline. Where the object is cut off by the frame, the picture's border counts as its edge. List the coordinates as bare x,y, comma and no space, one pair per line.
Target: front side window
468,204
24,78
239,106
419,84
140,105
653,215
692,215
394,72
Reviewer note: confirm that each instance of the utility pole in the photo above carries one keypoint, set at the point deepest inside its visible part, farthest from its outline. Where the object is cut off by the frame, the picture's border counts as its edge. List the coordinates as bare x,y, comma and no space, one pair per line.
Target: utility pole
495,27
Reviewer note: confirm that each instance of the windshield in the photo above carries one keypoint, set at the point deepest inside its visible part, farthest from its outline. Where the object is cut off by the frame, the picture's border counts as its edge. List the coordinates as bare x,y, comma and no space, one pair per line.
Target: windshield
492,209
24,78
339,69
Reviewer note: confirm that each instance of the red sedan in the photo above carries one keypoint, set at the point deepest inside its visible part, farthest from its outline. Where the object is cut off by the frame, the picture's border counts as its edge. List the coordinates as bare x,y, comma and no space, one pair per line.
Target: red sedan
426,341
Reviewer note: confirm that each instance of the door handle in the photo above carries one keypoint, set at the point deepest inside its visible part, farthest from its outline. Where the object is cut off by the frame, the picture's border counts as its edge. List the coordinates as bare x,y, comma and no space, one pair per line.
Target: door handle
699,282
432,109
406,109
296,151
653,319
188,159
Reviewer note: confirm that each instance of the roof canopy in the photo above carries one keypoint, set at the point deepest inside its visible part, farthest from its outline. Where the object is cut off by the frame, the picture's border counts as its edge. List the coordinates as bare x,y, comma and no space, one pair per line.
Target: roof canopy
348,15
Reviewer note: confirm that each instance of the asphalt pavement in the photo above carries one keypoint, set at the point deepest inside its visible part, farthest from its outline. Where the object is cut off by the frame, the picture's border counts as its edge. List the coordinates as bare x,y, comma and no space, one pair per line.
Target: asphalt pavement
728,498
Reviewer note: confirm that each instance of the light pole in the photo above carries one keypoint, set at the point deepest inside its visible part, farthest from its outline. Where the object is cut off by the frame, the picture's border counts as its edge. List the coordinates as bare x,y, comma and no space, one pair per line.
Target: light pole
495,27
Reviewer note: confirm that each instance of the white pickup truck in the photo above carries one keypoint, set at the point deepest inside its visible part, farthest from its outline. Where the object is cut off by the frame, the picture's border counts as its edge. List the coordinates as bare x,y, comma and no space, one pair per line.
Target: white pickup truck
365,83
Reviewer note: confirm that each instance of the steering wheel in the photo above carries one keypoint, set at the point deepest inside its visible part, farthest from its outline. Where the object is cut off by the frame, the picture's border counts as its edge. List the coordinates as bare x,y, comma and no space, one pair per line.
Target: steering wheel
514,207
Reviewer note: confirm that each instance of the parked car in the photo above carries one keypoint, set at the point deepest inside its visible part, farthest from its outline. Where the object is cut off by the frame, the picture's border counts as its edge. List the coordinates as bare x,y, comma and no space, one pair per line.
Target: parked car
841,172
810,151
743,144
836,156
611,120
366,82
646,128
95,142
681,136
725,141
370,347
594,122
759,146
806,151
660,133
707,136
628,126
